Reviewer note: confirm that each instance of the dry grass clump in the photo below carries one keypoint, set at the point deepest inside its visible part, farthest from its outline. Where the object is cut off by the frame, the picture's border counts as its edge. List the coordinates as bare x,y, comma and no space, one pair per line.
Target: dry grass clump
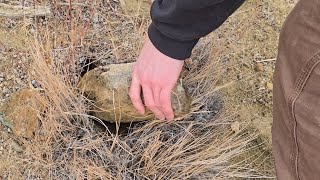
67,144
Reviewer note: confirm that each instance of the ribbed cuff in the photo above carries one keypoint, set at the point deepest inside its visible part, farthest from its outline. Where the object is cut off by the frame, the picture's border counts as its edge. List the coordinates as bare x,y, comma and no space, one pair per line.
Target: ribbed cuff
180,50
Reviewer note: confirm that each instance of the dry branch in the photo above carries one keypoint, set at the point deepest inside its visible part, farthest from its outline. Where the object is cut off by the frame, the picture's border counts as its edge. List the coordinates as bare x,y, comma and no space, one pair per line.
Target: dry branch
20,11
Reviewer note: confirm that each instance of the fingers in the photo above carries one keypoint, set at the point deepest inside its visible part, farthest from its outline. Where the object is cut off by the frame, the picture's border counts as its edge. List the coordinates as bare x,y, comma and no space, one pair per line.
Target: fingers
157,100
162,99
165,101
150,103
156,96
135,93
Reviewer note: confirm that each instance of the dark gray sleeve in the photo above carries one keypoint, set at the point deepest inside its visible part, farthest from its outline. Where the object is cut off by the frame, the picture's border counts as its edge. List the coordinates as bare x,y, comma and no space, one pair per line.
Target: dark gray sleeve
177,25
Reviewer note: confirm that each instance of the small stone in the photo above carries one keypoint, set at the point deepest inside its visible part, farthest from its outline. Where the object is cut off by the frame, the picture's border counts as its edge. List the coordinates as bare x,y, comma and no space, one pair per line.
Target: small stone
18,81
17,147
269,86
6,91
235,127
259,67
34,82
251,83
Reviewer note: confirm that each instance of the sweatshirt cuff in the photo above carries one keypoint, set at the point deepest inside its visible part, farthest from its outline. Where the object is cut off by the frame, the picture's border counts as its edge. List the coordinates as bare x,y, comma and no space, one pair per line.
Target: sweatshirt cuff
180,50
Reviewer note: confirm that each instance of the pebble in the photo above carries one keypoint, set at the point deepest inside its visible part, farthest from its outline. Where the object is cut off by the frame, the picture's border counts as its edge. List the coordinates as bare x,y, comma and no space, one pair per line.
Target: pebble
17,147
235,127
6,91
34,82
269,86
259,67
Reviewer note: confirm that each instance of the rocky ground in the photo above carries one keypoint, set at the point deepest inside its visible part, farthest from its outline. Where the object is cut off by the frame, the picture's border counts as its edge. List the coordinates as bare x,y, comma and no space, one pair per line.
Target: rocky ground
13,75
246,46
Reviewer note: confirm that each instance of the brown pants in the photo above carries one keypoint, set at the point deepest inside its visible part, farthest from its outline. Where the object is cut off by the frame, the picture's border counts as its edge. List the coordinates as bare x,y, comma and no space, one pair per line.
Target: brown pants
296,126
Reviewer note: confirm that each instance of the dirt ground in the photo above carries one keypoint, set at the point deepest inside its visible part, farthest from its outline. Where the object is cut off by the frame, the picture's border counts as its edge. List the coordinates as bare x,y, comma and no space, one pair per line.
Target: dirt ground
238,58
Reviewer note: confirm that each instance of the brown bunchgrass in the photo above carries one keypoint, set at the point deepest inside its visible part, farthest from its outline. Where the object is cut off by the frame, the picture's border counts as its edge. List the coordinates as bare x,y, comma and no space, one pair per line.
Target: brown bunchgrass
67,144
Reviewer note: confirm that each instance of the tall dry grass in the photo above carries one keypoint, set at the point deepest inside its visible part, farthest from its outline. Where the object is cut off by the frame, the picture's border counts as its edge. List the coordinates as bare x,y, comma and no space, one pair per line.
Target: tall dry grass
67,145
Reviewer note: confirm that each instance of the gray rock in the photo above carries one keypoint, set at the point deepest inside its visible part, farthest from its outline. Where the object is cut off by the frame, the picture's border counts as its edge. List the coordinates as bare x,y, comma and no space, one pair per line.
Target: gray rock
17,147
108,88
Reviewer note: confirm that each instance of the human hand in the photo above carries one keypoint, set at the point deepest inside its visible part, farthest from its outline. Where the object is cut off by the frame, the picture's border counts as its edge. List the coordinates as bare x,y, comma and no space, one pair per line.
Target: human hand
157,75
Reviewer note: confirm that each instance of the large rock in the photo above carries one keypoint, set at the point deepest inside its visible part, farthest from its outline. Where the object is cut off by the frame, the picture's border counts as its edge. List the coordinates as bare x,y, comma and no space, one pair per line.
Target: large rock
21,112
108,88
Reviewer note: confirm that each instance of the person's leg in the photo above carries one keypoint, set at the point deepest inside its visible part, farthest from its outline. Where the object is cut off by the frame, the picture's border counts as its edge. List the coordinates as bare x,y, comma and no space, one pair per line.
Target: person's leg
296,124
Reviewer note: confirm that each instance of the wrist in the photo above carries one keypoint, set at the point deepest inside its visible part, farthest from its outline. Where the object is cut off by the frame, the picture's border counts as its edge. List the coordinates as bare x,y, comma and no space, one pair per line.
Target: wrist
175,49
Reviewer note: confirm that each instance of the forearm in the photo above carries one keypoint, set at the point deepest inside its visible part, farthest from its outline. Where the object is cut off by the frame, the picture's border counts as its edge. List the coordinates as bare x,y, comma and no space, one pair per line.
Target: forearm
177,25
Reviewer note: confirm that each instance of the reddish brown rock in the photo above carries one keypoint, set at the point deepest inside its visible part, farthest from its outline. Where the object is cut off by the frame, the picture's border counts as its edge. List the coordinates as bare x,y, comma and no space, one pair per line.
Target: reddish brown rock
21,112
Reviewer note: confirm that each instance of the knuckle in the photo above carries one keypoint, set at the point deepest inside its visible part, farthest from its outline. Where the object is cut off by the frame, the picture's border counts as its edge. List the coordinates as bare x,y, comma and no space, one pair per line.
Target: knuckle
156,82
165,100
166,109
151,106
145,80
133,96
158,105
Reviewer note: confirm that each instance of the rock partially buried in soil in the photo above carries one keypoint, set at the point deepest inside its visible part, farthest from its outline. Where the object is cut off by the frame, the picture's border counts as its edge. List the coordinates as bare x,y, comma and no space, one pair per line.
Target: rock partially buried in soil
108,88
21,112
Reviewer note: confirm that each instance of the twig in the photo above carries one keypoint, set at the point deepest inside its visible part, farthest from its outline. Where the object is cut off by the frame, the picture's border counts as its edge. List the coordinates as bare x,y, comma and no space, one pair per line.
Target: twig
266,60
20,11
74,4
